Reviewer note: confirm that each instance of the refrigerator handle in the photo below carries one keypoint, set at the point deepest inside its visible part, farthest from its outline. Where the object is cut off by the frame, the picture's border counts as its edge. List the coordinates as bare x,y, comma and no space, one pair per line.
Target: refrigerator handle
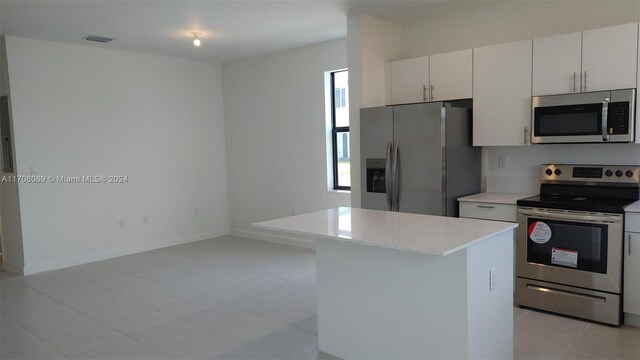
396,178
387,177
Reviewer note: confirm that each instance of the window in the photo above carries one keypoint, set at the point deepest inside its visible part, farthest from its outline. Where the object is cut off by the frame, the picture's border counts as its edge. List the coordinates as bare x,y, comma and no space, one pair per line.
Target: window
341,155
5,135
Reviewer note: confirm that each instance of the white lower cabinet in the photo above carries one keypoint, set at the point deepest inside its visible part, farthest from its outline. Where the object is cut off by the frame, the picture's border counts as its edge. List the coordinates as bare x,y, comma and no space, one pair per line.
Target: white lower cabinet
631,301
488,211
492,211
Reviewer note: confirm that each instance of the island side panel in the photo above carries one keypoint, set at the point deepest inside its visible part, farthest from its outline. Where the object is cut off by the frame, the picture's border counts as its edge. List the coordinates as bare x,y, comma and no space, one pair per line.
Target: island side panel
491,309
384,303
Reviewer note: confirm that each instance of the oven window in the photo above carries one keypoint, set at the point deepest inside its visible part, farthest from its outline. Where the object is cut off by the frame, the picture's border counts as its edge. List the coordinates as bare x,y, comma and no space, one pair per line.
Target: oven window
568,120
565,244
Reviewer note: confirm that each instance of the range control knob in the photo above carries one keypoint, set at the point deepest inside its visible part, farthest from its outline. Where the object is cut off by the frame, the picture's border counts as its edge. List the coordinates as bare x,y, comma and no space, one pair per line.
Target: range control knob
549,172
608,173
557,172
618,173
629,173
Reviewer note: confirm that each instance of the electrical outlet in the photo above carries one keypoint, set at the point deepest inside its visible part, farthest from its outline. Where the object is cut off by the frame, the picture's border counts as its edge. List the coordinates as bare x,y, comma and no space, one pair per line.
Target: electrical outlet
145,219
492,279
195,211
293,212
502,161
121,224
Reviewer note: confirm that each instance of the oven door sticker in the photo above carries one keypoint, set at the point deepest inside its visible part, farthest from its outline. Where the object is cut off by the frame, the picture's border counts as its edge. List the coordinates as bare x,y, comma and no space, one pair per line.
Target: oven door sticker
539,232
564,257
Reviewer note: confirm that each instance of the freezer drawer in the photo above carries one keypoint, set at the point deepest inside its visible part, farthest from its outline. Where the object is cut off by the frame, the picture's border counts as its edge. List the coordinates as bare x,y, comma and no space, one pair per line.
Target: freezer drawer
488,211
568,300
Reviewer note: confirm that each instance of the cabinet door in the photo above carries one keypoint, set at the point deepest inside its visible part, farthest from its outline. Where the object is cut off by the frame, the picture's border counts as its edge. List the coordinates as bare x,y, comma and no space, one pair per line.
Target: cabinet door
451,75
632,274
638,97
557,64
502,94
609,58
409,79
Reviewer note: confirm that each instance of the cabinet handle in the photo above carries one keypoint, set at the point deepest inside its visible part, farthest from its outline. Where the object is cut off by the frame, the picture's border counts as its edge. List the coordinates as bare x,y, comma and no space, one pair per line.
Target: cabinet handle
424,92
431,92
526,138
574,82
584,86
629,244
486,206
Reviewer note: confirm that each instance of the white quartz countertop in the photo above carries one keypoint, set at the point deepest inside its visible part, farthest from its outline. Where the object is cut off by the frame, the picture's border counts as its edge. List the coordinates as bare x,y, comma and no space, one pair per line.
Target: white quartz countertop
635,207
494,198
427,234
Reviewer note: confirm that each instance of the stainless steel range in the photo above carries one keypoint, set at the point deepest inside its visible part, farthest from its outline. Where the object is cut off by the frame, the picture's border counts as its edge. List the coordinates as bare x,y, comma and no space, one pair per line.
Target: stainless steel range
569,243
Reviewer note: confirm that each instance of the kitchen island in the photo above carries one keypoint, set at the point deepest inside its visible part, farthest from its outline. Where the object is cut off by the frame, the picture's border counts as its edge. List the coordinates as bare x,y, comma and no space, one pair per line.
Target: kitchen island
396,285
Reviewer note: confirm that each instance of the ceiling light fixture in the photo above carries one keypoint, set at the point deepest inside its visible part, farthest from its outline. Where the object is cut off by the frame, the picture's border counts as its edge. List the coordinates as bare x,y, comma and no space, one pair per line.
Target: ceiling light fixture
196,40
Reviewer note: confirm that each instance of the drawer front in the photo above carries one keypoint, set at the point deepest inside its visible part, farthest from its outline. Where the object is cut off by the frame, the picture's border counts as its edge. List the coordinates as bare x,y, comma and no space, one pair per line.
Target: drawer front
488,211
632,222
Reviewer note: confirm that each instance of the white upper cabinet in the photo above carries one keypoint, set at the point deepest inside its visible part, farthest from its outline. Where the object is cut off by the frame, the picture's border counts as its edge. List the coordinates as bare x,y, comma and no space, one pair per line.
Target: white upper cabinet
438,77
593,60
409,80
502,94
451,75
609,58
557,64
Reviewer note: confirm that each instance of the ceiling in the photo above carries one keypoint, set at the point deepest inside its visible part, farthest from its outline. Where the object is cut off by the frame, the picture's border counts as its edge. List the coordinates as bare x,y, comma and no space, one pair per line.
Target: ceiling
229,29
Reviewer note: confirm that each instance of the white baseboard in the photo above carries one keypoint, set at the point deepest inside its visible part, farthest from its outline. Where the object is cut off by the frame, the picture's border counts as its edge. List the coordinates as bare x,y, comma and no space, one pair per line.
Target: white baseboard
278,239
108,254
632,320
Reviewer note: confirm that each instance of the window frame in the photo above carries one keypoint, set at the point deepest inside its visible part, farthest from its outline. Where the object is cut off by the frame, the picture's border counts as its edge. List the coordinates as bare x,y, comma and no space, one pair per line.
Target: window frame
335,130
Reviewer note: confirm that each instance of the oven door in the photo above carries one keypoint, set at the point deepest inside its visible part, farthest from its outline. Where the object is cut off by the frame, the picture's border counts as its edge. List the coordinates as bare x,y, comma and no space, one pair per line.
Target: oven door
569,247
604,116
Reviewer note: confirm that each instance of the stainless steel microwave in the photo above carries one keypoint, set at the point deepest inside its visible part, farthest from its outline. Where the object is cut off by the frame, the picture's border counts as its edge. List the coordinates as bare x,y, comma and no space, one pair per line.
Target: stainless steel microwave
593,117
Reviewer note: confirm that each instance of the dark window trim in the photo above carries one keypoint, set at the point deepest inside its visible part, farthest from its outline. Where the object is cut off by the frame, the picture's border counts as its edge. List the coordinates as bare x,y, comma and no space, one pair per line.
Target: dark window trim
334,134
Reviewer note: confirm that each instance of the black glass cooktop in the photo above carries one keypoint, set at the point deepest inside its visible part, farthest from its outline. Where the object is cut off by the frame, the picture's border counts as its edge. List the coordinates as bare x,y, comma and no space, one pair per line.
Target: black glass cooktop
579,203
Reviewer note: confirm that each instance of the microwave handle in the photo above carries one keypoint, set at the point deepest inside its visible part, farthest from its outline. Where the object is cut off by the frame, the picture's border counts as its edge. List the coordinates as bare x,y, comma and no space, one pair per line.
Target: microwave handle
605,123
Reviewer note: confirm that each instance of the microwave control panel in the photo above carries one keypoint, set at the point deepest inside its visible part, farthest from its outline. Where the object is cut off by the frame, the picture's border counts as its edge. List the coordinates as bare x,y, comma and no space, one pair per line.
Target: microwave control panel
618,118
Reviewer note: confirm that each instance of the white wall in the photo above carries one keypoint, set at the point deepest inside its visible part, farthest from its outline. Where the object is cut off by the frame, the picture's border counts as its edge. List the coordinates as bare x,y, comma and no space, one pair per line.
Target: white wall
10,224
512,21
522,175
372,42
276,141
82,110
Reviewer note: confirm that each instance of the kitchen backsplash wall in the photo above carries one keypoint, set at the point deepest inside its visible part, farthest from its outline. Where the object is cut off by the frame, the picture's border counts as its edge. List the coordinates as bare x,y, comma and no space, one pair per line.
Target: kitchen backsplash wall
521,175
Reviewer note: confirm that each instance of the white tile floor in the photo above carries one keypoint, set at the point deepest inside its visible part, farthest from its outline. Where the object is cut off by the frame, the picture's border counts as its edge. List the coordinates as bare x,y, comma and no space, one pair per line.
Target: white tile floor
227,298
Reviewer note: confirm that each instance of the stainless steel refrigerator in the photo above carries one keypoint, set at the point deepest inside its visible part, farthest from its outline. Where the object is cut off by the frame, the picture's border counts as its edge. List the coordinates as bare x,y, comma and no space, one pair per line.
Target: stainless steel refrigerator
418,158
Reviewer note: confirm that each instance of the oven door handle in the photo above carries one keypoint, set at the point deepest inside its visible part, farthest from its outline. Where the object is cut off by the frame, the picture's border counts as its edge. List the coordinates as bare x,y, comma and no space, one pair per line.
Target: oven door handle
575,217
566,293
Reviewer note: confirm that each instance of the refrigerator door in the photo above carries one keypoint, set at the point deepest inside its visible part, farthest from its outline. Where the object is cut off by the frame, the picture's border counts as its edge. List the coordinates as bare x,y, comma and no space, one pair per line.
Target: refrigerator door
462,159
376,135
419,132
